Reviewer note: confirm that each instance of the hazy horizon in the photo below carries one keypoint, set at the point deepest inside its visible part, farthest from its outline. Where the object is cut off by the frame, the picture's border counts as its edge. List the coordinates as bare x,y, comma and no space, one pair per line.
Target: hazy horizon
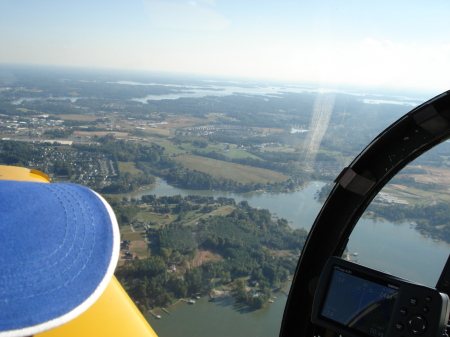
400,44
8,73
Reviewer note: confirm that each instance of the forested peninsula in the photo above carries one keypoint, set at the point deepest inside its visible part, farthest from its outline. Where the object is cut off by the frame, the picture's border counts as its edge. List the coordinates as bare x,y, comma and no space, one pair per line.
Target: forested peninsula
250,253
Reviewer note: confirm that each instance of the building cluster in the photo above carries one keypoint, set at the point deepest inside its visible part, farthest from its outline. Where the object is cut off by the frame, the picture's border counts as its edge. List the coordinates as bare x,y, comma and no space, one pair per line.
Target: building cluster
30,126
217,129
87,168
387,198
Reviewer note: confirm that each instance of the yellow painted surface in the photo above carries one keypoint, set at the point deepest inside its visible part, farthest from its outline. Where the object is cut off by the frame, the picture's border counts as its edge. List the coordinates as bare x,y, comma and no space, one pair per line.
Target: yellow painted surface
22,174
113,315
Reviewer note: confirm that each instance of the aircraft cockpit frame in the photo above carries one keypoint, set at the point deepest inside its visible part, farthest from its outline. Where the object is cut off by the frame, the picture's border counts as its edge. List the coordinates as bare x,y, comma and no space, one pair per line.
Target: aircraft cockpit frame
412,135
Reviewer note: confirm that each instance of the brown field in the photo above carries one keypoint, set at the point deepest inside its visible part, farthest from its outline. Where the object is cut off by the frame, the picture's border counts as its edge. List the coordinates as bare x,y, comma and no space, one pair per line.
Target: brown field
278,253
436,175
155,131
205,256
240,173
138,245
83,118
399,187
100,133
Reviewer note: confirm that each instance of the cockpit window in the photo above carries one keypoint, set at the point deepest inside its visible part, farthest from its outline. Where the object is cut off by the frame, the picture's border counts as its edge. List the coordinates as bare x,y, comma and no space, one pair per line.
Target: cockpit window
404,231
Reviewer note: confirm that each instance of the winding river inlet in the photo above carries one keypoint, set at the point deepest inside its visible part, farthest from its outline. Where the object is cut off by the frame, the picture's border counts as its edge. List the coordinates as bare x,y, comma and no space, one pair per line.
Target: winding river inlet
395,248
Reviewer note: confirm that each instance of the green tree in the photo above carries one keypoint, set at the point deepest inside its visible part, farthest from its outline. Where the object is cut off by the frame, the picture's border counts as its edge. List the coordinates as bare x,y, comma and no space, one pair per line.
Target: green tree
240,292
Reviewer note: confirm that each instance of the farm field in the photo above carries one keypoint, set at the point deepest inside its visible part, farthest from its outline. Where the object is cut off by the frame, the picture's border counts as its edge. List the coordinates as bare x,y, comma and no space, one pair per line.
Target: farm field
232,152
156,131
240,173
236,152
434,175
210,148
287,149
128,167
101,133
84,118
416,196
161,219
170,148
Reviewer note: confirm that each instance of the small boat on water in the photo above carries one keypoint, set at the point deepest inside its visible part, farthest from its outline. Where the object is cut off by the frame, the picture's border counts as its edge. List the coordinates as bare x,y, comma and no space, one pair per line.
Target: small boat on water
191,302
155,315
355,254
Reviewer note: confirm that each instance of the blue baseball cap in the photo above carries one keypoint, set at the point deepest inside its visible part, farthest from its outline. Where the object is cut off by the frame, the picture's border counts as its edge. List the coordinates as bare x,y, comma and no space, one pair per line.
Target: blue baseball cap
59,246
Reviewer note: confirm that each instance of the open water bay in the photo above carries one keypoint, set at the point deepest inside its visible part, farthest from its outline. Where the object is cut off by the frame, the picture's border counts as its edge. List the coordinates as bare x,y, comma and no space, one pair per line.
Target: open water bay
299,208
395,248
221,318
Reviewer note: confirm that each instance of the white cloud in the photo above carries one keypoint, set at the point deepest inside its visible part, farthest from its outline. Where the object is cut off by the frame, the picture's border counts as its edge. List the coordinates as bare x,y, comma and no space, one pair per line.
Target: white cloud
383,63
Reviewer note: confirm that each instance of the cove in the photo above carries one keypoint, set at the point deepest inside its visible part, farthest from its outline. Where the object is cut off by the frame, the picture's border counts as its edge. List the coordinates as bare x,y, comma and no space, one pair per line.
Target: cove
391,247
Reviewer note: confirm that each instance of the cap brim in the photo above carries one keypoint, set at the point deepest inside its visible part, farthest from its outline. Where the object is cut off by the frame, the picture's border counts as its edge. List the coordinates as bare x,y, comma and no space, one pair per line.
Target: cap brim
59,248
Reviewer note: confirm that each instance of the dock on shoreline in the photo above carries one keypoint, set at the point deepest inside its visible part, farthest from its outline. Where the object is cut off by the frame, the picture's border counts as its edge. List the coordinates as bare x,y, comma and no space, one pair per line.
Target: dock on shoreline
155,315
163,309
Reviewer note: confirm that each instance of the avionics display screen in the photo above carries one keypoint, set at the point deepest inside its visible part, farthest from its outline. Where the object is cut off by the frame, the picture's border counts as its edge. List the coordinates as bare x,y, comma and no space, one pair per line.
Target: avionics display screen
359,303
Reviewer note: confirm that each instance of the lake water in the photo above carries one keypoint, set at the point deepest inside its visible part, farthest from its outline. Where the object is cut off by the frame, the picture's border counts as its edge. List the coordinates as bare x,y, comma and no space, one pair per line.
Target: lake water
382,101
31,99
299,208
236,88
268,91
221,318
212,90
395,248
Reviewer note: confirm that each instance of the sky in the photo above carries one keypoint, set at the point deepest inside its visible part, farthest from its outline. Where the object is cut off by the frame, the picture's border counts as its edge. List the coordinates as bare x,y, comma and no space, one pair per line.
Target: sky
374,43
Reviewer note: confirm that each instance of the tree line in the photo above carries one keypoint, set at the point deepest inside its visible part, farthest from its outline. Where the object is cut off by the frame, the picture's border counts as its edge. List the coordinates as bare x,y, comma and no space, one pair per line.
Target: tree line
431,219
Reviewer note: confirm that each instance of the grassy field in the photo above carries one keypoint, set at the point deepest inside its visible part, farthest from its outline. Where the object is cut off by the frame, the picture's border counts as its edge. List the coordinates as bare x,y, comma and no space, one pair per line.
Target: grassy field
159,132
133,236
162,219
83,118
128,167
169,147
236,152
287,149
240,173
416,196
138,244
101,133
224,210
24,109
210,148
233,152
429,195
125,229
434,175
